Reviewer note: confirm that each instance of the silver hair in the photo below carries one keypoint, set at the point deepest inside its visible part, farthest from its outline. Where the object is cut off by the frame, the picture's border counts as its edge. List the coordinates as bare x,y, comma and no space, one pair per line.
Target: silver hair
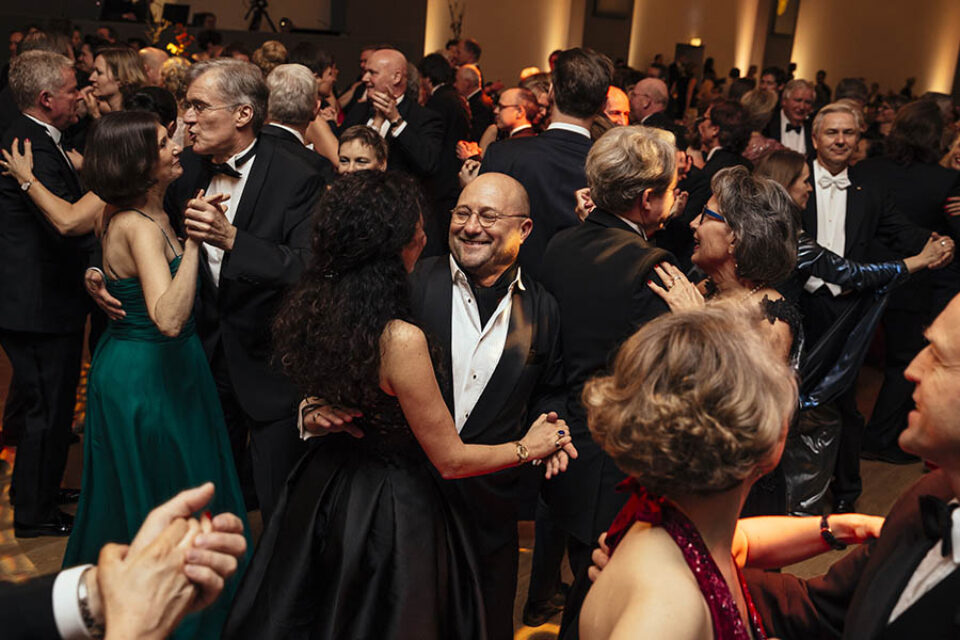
797,84
237,83
626,161
33,72
840,106
293,94
764,221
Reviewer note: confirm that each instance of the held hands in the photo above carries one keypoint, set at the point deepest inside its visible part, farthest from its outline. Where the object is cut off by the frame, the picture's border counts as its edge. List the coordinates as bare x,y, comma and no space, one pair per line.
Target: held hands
941,254
549,438
855,528
18,165
320,417
97,289
205,221
680,294
467,149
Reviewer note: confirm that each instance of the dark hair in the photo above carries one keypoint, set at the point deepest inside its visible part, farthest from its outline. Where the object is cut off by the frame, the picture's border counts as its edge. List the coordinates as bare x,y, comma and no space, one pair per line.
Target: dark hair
915,136
155,100
852,88
452,42
473,48
740,86
120,156
779,74
311,56
236,47
328,331
436,68
528,102
208,37
580,79
733,121
368,138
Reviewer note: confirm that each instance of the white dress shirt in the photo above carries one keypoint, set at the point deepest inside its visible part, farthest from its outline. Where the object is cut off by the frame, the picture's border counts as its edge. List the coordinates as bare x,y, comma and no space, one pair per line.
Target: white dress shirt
221,183
633,225
792,139
475,350
831,218
66,607
520,128
385,127
932,569
570,127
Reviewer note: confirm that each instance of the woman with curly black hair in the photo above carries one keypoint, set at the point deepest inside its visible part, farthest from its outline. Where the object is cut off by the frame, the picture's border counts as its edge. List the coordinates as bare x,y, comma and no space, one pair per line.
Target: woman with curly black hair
364,542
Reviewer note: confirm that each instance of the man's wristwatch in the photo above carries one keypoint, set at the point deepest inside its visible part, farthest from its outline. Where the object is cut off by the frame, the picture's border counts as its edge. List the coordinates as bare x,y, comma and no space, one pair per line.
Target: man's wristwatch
94,627
396,123
827,534
26,186
522,454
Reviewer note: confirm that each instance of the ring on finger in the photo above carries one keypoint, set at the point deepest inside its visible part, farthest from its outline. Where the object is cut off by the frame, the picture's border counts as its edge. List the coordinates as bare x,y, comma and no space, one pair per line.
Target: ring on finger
537,462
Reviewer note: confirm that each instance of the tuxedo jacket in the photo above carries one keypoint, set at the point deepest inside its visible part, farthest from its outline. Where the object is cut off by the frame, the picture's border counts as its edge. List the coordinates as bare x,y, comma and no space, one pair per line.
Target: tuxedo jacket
660,120
598,273
856,596
28,609
481,114
527,381
773,127
417,149
269,253
919,192
676,237
41,272
550,166
292,144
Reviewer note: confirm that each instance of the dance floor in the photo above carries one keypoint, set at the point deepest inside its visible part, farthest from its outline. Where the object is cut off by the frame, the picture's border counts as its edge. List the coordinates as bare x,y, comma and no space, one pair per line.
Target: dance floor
19,560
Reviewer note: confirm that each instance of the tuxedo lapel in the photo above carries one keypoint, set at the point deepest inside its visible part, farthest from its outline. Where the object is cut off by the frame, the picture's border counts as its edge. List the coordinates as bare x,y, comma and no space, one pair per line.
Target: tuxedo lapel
516,351
436,314
853,223
810,213
255,183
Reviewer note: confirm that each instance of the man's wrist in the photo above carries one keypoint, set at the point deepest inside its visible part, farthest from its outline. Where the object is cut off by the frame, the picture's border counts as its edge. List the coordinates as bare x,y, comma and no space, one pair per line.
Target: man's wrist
91,605
231,238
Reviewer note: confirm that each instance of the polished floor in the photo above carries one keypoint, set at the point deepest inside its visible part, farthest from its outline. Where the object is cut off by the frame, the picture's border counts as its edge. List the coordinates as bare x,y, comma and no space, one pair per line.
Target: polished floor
22,559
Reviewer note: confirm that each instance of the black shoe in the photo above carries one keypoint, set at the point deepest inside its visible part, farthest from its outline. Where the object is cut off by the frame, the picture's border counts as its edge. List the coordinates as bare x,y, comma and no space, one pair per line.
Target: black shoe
68,496
892,455
844,506
60,525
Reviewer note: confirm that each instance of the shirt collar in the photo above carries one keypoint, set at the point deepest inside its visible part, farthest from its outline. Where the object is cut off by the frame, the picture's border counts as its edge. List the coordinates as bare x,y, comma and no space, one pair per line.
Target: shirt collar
520,128
566,126
474,92
711,152
820,170
290,129
457,275
233,160
633,225
55,133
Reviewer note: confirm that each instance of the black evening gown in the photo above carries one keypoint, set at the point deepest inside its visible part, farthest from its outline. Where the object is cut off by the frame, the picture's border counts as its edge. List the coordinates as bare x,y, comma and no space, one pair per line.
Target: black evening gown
363,544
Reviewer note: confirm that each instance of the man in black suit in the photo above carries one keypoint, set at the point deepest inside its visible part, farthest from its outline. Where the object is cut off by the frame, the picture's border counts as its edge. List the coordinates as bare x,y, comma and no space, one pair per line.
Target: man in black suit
132,590
255,245
598,272
724,134
469,84
790,124
851,218
904,584
41,274
436,76
648,103
550,166
498,332
292,106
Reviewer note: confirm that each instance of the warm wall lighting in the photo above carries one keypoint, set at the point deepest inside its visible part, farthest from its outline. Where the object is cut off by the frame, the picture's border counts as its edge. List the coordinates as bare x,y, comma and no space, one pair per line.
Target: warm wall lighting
695,42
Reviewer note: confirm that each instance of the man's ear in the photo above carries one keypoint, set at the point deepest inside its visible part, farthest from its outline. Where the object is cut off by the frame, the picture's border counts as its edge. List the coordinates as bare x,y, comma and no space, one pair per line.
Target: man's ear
243,115
44,99
526,226
317,108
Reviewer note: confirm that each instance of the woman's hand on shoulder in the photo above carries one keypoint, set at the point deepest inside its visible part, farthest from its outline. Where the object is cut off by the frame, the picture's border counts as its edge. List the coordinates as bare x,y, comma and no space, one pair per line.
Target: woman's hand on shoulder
678,292
18,165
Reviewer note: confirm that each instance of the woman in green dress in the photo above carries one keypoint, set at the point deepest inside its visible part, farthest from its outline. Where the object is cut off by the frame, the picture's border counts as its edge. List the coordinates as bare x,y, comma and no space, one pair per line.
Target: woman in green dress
154,423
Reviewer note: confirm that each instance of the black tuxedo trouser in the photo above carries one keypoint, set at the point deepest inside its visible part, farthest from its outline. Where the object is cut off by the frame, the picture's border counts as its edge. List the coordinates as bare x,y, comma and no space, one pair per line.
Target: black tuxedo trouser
820,311
47,369
263,451
903,339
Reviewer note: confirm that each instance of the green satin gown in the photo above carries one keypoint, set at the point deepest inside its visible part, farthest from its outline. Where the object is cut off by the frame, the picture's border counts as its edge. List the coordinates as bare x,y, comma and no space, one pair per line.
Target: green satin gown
154,427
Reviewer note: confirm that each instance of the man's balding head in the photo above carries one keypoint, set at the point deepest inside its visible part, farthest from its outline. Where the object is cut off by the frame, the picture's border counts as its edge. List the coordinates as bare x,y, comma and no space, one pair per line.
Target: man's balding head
152,60
486,252
647,97
468,80
386,71
617,108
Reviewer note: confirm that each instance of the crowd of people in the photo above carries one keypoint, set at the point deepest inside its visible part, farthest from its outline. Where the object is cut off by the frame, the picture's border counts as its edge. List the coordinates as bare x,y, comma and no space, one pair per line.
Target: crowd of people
398,317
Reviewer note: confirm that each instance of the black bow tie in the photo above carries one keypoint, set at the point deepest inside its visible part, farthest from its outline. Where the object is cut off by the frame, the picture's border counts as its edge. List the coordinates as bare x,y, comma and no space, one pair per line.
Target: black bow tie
794,127
227,170
937,519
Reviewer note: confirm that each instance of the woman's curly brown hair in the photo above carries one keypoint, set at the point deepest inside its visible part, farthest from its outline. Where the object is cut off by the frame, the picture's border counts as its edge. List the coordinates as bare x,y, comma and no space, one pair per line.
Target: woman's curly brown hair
695,403
327,333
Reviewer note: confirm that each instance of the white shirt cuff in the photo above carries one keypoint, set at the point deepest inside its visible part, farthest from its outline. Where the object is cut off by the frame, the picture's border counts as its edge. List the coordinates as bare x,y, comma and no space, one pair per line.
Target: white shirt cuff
66,607
304,434
396,132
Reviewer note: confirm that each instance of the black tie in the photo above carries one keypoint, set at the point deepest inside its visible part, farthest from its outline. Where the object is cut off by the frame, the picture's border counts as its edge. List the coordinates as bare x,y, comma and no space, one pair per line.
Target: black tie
227,170
794,127
937,519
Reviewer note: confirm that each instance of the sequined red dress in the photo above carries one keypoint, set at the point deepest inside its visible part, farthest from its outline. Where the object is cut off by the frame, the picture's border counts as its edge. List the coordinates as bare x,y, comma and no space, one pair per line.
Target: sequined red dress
660,512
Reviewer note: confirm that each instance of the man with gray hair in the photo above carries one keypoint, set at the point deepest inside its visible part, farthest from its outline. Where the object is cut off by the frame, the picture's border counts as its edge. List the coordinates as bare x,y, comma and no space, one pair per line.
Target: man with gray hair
598,272
648,103
44,310
256,239
469,83
790,125
292,106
